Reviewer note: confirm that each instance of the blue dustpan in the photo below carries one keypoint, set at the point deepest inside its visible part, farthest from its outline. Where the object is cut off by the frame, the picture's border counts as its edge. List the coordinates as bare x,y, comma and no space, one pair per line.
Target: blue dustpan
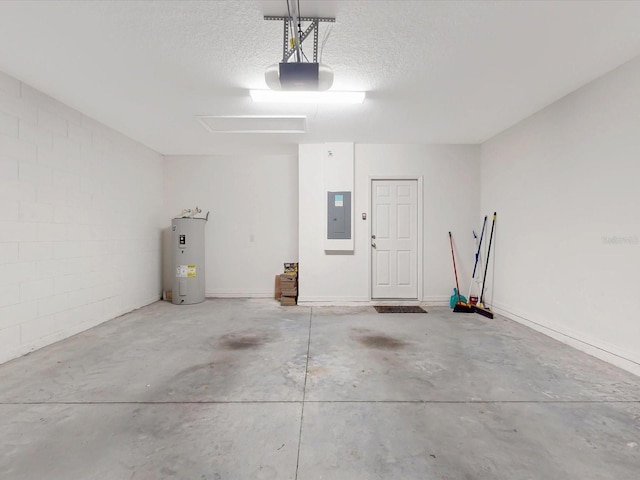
454,298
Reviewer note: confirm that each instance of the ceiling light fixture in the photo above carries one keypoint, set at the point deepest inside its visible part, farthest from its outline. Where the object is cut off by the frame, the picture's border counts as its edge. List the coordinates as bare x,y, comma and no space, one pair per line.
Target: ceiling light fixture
284,96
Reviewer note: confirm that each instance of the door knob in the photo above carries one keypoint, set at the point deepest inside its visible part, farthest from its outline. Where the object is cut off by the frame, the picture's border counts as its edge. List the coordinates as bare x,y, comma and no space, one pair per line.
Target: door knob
373,245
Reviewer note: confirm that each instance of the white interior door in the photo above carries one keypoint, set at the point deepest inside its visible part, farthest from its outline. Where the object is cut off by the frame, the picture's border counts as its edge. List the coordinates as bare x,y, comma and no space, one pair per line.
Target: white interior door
394,239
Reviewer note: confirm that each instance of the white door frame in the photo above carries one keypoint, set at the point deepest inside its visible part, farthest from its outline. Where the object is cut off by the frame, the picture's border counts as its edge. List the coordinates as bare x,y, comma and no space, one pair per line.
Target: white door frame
420,247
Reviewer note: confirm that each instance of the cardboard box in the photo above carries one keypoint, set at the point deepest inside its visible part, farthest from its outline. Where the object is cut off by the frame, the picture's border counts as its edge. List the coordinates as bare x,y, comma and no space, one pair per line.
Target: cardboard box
288,301
278,289
288,281
287,285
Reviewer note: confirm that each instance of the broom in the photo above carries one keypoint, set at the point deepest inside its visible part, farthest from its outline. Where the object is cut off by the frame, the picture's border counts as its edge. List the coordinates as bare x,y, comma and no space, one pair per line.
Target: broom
478,261
481,308
460,306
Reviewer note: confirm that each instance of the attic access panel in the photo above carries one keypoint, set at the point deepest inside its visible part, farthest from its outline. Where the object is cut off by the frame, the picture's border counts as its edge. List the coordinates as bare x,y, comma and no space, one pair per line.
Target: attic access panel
254,123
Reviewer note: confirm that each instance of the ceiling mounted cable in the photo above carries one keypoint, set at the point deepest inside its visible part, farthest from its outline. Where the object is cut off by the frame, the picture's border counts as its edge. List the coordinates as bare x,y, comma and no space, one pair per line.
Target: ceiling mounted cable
297,33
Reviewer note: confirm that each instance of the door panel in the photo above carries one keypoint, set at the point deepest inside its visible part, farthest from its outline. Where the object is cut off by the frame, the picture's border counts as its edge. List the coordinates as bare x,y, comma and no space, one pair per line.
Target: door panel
394,243
404,267
382,262
382,190
382,213
404,221
404,191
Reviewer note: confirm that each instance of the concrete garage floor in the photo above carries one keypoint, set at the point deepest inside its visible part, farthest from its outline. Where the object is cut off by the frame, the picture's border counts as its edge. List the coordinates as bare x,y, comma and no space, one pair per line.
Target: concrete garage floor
246,389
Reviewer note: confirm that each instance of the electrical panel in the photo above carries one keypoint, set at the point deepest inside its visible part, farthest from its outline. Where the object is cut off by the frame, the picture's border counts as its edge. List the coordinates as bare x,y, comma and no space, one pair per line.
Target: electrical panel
339,215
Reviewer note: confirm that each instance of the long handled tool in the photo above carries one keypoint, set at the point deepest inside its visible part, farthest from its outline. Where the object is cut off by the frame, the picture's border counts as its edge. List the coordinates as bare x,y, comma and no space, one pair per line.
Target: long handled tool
477,260
481,308
460,306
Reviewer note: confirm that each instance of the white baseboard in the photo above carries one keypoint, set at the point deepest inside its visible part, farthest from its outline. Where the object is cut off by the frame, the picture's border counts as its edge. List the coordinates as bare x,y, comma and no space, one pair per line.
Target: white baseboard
436,301
365,301
222,293
332,301
596,348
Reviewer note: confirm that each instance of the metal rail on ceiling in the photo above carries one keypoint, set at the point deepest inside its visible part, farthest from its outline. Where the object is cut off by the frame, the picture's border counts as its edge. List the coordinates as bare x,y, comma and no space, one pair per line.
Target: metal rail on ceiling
313,27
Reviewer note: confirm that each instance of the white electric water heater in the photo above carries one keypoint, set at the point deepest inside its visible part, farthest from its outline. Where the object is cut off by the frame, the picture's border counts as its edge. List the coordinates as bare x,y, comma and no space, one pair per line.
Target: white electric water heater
188,259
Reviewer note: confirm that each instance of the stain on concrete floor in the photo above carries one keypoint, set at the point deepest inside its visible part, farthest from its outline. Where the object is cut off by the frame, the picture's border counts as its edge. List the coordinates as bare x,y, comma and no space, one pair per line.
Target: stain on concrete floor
372,339
244,340
196,368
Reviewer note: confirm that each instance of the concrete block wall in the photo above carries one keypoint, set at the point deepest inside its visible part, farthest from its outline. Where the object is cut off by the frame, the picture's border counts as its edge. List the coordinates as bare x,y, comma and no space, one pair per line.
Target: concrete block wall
80,221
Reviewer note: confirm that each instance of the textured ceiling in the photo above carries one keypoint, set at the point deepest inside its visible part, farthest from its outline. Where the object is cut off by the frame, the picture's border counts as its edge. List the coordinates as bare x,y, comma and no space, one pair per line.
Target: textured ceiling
435,72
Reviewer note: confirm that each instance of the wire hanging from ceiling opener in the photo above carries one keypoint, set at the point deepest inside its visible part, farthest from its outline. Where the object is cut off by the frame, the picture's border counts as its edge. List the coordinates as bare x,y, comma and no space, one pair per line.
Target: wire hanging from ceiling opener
296,41
296,37
300,33
290,20
324,40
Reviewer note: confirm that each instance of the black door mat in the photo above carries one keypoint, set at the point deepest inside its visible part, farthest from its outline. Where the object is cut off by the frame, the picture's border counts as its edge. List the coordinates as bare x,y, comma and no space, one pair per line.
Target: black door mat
400,309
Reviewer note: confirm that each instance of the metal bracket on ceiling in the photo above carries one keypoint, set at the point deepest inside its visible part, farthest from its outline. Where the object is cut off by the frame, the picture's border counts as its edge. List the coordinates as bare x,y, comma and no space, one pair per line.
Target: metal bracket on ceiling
313,27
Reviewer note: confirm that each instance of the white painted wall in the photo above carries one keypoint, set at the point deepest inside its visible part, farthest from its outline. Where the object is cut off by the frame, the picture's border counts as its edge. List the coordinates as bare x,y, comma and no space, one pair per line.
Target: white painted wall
252,228
565,185
338,160
451,202
80,223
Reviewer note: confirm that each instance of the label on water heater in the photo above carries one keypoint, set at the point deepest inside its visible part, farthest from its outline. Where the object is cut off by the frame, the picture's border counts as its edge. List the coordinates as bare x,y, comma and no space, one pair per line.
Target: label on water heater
186,271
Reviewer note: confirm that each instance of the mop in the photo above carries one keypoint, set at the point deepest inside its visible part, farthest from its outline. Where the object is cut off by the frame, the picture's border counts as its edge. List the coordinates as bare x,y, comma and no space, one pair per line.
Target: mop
478,262
460,305
481,308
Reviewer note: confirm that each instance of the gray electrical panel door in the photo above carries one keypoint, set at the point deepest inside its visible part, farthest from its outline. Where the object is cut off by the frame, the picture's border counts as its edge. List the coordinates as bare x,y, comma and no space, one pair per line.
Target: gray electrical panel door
339,215
188,260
